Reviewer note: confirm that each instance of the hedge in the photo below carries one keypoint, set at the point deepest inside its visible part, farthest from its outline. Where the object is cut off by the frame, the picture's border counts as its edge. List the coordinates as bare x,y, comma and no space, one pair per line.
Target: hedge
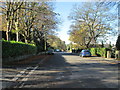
99,51
93,51
14,49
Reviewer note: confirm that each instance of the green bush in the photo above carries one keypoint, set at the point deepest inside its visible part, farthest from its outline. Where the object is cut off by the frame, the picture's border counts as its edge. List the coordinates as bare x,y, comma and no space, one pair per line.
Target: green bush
93,51
99,51
39,48
14,48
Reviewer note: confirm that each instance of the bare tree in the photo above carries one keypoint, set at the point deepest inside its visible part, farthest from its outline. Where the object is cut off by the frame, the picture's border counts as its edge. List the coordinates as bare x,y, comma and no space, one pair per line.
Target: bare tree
91,21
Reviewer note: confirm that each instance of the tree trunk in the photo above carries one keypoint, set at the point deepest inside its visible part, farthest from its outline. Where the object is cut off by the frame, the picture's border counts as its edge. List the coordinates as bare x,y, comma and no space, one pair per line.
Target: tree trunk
7,36
16,26
45,45
87,46
26,40
17,36
7,32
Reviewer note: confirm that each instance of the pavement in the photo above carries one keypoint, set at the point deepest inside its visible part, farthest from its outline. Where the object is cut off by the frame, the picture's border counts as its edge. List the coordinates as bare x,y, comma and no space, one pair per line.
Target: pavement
62,70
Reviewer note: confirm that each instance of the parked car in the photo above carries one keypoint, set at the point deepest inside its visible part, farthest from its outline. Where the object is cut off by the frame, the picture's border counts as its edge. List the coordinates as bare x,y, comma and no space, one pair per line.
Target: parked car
58,50
84,53
50,52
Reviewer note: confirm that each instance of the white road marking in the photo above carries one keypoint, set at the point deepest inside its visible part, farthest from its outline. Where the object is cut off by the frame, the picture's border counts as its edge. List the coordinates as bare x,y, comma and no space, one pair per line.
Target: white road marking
21,85
17,76
24,70
26,77
20,74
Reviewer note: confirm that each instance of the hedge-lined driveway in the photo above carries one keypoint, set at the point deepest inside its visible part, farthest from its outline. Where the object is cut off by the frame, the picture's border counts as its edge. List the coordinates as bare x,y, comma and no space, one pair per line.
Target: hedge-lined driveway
66,70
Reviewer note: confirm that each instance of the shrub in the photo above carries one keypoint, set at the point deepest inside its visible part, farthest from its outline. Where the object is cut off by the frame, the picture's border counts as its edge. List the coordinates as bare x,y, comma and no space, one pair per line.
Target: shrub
93,51
99,51
102,52
39,48
14,48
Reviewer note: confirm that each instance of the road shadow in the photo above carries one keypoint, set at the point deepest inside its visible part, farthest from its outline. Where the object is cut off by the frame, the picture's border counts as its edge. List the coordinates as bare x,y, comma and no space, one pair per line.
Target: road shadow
57,60
56,72
22,63
64,53
94,56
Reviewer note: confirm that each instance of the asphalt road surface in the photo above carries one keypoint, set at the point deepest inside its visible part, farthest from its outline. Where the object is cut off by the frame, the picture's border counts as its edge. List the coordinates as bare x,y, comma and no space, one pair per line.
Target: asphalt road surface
65,70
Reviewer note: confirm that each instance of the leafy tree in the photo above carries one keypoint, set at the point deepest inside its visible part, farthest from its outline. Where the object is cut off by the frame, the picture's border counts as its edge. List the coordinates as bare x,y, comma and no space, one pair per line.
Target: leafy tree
56,42
34,21
46,23
91,21
9,9
118,43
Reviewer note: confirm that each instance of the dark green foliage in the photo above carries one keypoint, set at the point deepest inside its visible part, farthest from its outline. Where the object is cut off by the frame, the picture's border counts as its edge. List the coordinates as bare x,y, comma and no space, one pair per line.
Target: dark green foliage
14,48
102,44
99,51
118,43
39,48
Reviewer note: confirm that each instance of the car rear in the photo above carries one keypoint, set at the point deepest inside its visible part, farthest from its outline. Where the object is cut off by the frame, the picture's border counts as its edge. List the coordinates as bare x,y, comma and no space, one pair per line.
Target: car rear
85,53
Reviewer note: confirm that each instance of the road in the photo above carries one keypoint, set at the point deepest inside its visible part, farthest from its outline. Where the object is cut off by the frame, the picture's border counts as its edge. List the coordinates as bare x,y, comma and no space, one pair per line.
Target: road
64,70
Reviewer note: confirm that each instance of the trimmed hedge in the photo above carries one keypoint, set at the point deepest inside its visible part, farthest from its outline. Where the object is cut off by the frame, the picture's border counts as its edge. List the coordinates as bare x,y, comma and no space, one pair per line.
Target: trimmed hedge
14,49
99,51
